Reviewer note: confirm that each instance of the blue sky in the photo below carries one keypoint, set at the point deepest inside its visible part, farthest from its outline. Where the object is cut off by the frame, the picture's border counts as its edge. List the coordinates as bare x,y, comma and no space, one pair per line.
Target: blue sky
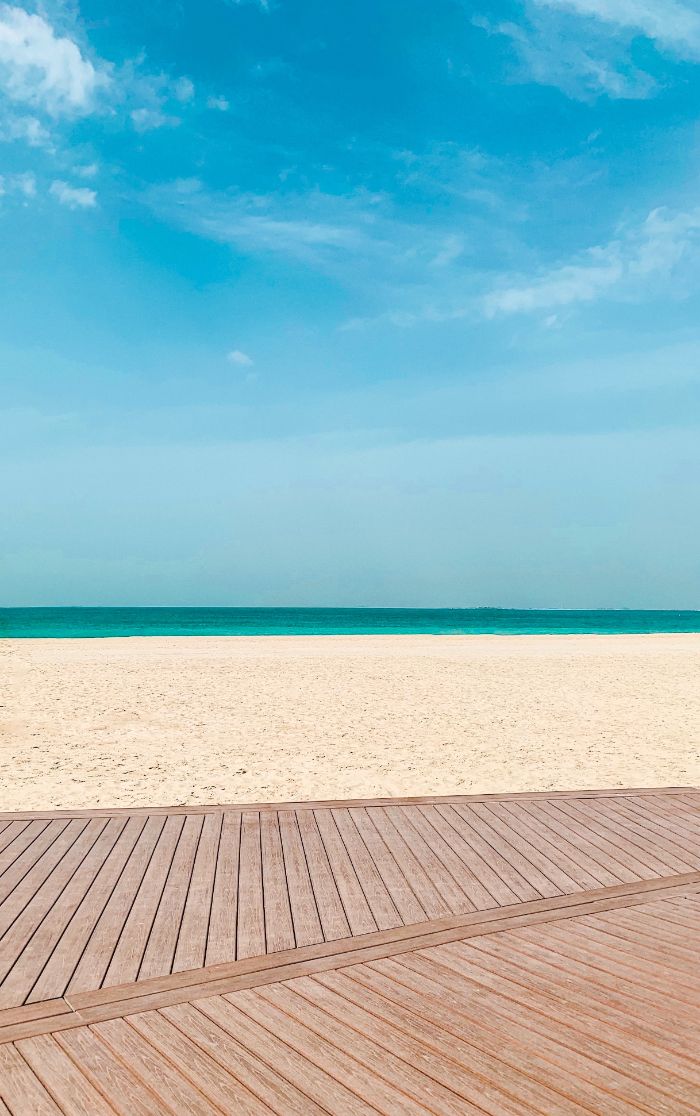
391,304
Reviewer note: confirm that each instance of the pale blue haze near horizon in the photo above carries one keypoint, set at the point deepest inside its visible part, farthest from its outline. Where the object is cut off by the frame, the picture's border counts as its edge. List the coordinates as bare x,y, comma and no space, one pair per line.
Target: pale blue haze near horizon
394,305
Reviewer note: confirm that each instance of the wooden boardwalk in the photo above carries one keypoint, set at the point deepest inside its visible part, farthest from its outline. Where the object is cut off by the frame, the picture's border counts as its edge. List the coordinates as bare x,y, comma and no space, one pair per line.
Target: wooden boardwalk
499,954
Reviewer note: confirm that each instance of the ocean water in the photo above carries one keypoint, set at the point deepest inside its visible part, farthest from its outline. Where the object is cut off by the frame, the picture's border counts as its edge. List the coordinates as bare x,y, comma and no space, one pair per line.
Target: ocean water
27,623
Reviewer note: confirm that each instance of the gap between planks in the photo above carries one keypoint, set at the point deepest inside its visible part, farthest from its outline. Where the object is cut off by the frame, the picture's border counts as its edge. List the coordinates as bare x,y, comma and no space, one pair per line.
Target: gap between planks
184,987
335,804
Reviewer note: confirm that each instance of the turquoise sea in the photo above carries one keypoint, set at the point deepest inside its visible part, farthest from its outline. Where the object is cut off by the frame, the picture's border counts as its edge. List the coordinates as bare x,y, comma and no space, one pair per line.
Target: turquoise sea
25,623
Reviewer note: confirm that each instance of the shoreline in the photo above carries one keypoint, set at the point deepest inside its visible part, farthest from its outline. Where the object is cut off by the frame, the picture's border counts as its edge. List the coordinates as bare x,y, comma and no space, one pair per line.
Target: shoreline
146,720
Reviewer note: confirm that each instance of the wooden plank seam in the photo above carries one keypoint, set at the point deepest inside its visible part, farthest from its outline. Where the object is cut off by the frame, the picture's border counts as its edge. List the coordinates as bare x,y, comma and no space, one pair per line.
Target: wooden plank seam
185,987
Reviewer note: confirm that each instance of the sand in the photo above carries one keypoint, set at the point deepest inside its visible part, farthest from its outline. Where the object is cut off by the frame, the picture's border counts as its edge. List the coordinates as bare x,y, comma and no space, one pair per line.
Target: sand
149,721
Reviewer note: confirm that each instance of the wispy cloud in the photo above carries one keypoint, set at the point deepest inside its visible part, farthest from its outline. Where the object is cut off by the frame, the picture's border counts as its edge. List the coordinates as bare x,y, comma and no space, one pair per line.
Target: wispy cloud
183,89
623,267
74,197
148,119
236,356
582,65
671,25
28,129
584,47
313,227
42,68
23,184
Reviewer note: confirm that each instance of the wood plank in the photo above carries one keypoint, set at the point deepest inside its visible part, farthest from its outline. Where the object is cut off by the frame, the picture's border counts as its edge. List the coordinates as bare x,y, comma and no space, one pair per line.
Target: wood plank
307,925
470,1072
162,941
588,871
32,959
21,1087
279,931
563,853
501,838
57,971
328,902
432,828
553,1069
194,927
450,1088
157,1072
260,969
447,884
456,834
251,903
685,810
470,828
379,1085
47,1008
642,980
221,939
624,1051
641,954
68,860
644,828
355,905
372,1042
672,824
57,1072
316,1082
217,1084
381,904
97,954
29,858
17,836
399,888
266,1084
640,860
539,852
608,868
579,1056
602,950
126,959
599,984
108,1075
540,974
22,892
422,886
667,934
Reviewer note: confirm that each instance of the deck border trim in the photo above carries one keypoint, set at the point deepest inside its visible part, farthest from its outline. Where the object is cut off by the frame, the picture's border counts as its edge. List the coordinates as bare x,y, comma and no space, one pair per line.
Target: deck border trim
339,803
123,1000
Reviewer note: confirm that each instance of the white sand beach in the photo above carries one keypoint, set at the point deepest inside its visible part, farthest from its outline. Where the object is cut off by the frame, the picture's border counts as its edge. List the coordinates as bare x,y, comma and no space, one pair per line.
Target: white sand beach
121,722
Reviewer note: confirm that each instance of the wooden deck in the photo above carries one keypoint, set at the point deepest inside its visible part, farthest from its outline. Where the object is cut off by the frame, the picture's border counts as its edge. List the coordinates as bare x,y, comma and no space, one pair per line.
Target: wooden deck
492,954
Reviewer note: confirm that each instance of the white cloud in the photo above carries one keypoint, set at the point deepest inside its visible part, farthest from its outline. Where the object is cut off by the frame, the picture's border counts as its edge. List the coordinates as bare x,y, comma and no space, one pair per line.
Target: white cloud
39,67
582,65
87,171
22,184
147,119
321,230
240,358
669,23
450,250
620,267
218,103
26,128
74,197
183,89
